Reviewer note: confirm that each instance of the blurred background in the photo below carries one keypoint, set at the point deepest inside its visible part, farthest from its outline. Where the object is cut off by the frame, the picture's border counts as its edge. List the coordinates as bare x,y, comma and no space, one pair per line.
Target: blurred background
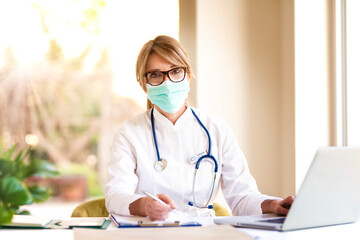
274,70
68,79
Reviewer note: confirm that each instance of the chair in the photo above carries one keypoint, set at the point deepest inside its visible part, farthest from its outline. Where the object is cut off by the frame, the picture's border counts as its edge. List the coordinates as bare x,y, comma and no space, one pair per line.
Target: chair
96,208
220,210
92,208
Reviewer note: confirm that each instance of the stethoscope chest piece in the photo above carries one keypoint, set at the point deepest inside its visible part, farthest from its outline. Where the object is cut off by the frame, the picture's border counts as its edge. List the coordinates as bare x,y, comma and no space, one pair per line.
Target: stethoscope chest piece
160,165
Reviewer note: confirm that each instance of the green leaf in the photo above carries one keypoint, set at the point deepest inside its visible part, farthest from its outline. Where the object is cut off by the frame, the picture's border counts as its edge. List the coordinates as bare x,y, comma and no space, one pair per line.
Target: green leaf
5,214
42,168
6,167
20,167
13,191
13,167
7,155
40,194
23,212
21,157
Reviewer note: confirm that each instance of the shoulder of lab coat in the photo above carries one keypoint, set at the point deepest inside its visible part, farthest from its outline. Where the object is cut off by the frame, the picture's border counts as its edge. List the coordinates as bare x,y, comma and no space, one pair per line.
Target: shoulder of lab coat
122,180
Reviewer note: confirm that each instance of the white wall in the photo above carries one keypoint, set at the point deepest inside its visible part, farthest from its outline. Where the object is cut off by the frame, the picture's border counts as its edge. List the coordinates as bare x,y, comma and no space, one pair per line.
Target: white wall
239,77
266,67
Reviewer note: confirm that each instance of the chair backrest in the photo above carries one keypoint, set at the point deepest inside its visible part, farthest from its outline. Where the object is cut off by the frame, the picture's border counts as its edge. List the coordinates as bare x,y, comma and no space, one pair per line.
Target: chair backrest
220,210
92,208
96,208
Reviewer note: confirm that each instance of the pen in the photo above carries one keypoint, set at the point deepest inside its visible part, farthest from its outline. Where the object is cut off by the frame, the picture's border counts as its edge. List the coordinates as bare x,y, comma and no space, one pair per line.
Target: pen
158,200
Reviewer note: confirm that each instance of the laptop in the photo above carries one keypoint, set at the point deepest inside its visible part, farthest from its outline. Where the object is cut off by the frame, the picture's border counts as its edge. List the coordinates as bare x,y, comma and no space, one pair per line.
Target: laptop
329,195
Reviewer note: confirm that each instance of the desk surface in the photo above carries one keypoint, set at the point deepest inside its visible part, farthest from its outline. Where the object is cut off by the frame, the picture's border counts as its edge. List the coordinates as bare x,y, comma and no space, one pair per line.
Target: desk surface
346,231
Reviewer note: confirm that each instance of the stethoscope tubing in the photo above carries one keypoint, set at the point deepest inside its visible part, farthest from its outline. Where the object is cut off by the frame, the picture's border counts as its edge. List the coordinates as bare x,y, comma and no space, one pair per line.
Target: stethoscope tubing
197,165
212,191
207,132
154,135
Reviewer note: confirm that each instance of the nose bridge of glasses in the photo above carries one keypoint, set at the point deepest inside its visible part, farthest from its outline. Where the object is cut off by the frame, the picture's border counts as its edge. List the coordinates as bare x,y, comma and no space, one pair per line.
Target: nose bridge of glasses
166,75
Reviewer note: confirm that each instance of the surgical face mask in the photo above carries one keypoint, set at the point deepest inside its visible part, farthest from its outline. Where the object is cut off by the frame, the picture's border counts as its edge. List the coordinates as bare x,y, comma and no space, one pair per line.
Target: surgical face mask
169,96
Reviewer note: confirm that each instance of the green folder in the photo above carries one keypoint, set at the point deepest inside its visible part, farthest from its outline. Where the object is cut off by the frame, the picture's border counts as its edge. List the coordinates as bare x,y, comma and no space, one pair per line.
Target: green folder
33,222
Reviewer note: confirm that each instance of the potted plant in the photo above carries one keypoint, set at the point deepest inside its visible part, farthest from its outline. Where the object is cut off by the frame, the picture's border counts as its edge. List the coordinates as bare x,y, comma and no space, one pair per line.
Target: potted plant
14,191
78,181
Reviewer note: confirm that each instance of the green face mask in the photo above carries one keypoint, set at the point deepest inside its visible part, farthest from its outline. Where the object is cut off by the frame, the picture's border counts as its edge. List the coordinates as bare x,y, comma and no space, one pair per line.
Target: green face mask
169,96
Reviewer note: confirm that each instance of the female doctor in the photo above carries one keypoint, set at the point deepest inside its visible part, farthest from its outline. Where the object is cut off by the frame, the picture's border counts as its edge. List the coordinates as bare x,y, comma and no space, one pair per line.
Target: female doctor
177,152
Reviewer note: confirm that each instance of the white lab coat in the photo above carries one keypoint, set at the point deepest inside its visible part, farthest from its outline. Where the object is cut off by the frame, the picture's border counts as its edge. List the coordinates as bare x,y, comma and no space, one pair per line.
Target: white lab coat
133,155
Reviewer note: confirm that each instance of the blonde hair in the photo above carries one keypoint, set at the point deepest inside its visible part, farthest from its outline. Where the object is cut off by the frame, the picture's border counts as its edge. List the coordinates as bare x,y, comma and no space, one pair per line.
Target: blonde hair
169,49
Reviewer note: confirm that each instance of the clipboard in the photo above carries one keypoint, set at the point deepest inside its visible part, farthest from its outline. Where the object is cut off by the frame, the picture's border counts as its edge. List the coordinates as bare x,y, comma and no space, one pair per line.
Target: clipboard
136,222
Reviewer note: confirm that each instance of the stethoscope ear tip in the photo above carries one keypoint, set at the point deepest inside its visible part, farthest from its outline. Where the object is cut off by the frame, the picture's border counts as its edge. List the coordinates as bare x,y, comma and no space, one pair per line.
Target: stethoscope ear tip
209,207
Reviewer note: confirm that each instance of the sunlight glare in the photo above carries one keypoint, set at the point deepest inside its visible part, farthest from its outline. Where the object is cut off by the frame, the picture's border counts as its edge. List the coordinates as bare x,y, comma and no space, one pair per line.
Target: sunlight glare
124,26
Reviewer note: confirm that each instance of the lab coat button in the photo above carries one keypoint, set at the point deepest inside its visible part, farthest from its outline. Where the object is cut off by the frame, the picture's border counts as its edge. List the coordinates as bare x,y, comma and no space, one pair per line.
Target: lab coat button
192,159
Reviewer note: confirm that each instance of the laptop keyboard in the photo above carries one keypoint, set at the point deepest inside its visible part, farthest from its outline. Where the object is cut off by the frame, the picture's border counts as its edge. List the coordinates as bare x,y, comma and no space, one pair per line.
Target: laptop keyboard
273,220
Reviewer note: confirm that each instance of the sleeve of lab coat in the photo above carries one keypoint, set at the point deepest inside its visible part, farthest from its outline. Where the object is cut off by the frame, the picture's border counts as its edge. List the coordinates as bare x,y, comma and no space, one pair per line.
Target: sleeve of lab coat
238,185
122,180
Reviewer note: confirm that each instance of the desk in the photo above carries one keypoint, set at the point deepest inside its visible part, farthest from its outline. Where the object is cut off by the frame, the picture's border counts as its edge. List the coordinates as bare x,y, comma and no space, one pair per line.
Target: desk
347,231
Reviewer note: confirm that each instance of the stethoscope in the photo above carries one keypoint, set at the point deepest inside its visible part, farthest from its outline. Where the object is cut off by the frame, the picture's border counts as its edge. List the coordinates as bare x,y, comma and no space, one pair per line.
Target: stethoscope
161,163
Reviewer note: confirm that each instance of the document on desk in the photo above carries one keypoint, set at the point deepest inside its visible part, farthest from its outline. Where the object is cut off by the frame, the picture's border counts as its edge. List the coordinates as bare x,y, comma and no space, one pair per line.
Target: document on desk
177,219
83,222
28,221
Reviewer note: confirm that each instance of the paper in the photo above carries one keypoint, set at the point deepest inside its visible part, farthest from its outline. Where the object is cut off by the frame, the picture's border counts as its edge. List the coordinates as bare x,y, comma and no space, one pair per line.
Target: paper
213,232
174,219
28,221
78,222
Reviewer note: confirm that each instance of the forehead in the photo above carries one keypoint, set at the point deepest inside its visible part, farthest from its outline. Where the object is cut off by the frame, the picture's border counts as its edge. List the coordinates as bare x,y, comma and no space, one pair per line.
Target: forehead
156,62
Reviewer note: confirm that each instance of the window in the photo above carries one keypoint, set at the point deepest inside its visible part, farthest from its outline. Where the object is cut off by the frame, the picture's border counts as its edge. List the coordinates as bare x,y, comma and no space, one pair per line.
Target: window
67,72
348,72
353,71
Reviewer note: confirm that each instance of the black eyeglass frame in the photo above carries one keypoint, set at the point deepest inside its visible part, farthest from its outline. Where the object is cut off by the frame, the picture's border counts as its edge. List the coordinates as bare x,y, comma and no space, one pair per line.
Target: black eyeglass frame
167,74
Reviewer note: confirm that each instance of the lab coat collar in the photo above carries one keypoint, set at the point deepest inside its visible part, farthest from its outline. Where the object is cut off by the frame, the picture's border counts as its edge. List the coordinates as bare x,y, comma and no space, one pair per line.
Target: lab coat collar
162,120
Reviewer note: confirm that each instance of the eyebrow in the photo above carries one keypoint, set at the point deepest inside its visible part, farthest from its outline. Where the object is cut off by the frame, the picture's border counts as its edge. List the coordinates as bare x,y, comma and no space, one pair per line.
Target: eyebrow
154,70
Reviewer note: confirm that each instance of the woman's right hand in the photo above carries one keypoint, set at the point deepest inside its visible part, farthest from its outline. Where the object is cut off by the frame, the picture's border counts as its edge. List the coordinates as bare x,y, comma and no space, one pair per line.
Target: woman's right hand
157,211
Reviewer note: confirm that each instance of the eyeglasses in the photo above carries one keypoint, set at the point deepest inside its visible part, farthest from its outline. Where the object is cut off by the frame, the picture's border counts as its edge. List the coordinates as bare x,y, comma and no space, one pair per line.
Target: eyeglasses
156,78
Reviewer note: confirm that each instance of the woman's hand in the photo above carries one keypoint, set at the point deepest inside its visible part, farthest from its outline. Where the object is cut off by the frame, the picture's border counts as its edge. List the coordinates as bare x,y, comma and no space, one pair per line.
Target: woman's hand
277,206
147,206
157,211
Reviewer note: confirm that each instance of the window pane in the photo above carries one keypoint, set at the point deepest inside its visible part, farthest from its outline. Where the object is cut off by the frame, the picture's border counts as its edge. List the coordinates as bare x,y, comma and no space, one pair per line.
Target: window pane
353,71
67,73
